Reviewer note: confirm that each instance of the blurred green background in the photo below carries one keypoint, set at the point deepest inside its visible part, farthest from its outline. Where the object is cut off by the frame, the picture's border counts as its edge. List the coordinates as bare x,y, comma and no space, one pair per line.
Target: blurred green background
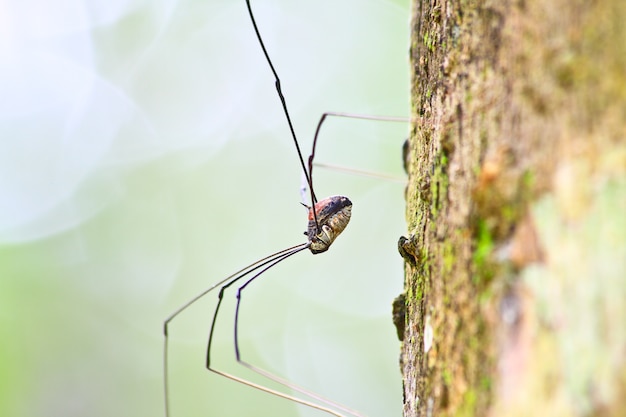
144,156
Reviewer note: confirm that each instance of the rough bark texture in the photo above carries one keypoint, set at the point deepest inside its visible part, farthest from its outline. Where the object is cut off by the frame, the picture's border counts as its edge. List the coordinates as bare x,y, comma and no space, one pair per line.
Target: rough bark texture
516,208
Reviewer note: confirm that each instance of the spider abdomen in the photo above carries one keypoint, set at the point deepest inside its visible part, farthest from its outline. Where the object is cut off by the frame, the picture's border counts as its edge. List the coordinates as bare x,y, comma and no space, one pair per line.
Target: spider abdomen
333,214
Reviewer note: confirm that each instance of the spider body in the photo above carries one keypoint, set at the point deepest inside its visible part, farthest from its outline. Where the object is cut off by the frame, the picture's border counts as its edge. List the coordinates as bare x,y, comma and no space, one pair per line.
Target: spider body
333,214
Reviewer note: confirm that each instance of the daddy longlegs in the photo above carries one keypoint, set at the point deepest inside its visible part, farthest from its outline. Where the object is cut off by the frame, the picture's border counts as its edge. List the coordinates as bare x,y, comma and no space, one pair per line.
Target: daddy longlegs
327,218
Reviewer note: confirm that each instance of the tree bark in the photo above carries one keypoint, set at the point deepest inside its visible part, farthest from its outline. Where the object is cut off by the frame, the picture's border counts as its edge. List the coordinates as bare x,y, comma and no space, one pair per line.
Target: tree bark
515,288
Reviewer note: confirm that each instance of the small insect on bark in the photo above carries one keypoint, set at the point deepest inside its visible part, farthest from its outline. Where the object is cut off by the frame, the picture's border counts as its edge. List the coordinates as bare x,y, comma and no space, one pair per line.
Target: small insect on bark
327,219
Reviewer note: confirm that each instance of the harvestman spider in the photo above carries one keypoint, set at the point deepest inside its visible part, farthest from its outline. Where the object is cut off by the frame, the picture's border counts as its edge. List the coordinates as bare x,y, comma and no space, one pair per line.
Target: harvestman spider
327,218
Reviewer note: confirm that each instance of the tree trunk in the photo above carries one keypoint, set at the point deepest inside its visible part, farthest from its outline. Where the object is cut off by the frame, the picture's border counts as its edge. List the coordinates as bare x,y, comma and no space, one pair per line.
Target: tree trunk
515,300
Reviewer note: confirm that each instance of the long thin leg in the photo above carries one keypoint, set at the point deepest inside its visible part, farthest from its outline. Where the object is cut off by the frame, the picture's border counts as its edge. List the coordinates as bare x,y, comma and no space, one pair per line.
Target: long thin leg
225,282
360,172
281,256
284,104
275,259
350,116
271,376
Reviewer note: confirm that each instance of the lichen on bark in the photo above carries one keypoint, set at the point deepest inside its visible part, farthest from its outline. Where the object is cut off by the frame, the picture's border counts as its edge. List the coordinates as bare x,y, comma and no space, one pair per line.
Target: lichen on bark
514,102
